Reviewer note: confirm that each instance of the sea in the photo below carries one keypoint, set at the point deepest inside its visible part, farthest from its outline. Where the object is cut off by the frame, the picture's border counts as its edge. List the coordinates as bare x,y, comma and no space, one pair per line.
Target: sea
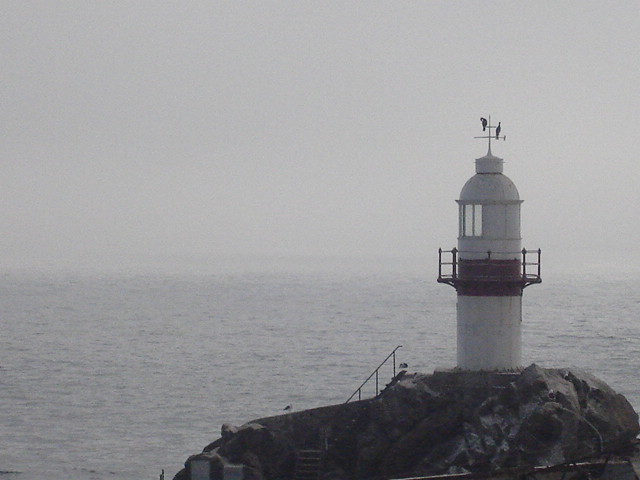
120,375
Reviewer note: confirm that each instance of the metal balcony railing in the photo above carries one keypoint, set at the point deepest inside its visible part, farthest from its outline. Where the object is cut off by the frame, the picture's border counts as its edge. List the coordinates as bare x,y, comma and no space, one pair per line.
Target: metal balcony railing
453,270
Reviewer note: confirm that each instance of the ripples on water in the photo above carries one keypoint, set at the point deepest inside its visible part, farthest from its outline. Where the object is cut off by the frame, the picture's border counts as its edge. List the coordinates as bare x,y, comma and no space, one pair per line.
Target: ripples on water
116,377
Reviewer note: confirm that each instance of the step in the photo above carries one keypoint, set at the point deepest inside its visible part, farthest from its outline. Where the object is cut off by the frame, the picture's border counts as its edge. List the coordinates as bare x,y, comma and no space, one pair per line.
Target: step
308,464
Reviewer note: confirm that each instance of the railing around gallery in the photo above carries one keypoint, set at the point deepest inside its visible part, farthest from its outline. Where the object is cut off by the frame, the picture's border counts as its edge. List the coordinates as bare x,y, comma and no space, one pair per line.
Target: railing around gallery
525,270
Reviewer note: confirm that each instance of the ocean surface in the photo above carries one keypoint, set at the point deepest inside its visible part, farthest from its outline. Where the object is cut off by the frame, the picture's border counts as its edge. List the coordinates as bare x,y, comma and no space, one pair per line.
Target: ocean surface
117,376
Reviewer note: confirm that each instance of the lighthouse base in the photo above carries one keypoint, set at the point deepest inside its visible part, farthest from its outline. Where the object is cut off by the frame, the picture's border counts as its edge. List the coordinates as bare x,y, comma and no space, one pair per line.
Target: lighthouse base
489,332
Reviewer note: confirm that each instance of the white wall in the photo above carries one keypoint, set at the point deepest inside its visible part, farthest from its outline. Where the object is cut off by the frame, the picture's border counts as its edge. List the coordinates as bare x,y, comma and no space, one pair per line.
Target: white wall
489,332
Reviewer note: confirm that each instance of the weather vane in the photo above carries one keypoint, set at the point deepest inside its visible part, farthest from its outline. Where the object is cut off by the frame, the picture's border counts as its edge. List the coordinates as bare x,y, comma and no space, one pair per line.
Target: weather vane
486,125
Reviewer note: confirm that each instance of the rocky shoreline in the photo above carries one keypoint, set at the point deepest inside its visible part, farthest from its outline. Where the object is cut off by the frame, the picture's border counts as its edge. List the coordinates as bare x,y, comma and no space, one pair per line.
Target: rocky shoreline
452,422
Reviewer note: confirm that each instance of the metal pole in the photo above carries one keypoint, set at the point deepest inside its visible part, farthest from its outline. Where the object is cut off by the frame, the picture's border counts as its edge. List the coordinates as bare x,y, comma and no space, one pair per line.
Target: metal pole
394,364
455,262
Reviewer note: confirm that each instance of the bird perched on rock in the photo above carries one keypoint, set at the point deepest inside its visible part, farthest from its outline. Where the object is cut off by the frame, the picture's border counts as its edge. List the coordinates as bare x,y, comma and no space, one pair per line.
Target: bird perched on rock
484,123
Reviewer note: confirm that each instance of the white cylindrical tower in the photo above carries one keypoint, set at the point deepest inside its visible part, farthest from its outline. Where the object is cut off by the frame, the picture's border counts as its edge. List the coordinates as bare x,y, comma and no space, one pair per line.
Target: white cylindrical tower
489,270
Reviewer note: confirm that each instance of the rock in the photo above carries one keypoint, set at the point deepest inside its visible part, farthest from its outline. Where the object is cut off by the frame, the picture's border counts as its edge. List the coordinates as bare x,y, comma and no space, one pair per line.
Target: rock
215,461
227,431
435,430
264,450
448,422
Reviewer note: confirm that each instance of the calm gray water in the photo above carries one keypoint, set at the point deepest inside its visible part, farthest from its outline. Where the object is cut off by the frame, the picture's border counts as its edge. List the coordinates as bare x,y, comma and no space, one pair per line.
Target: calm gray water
119,376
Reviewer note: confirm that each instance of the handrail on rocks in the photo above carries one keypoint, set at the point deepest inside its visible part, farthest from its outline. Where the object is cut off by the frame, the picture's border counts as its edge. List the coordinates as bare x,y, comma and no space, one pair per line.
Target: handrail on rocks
375,372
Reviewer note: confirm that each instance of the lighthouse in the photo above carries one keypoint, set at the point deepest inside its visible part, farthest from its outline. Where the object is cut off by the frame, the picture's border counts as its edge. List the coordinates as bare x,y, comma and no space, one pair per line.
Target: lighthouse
489,268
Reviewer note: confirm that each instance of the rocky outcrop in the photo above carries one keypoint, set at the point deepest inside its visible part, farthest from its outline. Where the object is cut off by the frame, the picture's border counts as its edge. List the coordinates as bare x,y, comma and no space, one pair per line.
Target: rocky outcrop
447,422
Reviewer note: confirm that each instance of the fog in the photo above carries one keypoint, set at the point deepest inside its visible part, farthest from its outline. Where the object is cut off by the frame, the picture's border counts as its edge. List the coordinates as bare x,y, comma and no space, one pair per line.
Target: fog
202,135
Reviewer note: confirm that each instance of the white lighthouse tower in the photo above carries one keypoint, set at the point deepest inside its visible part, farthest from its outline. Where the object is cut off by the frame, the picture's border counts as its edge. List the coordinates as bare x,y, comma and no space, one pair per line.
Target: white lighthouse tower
489,268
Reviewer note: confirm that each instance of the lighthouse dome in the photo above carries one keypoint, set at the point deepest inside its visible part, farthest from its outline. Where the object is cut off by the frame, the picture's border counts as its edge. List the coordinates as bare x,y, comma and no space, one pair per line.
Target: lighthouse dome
489,184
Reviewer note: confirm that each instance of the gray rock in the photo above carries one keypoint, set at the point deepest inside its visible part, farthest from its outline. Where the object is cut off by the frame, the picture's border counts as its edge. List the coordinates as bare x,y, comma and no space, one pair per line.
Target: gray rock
227,431
448,422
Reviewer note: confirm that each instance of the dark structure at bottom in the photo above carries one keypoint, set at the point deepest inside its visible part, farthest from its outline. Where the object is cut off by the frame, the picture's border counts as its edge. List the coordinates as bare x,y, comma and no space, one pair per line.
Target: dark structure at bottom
556,423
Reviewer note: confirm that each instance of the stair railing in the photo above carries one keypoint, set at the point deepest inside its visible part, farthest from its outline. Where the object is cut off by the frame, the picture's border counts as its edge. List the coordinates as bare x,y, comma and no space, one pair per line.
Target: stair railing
375,373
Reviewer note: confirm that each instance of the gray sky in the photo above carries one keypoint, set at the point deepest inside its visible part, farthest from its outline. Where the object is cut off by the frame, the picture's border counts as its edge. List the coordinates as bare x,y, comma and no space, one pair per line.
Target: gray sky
161,133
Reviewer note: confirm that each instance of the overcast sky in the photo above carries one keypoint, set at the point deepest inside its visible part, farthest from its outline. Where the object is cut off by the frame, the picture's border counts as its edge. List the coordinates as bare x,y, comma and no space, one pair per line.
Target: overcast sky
161,133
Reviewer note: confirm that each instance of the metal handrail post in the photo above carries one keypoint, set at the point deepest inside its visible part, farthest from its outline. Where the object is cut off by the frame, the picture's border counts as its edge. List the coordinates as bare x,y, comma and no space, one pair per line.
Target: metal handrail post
454,256
539,252
394,363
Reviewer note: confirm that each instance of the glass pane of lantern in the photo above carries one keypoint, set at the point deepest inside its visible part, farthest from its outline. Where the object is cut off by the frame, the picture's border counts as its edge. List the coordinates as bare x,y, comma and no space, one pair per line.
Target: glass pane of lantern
477,220
468,220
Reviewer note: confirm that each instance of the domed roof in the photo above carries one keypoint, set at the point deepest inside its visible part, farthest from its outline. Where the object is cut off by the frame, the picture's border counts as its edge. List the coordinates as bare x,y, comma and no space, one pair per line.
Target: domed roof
489,184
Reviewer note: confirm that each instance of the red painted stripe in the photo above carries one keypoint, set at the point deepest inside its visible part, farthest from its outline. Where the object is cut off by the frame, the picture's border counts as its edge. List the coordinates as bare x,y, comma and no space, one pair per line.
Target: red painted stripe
486,268
489,289
489,278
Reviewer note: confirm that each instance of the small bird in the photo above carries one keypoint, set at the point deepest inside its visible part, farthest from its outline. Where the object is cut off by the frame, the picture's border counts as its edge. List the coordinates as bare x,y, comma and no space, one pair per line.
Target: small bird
287,408
404,365
498,128
484,123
